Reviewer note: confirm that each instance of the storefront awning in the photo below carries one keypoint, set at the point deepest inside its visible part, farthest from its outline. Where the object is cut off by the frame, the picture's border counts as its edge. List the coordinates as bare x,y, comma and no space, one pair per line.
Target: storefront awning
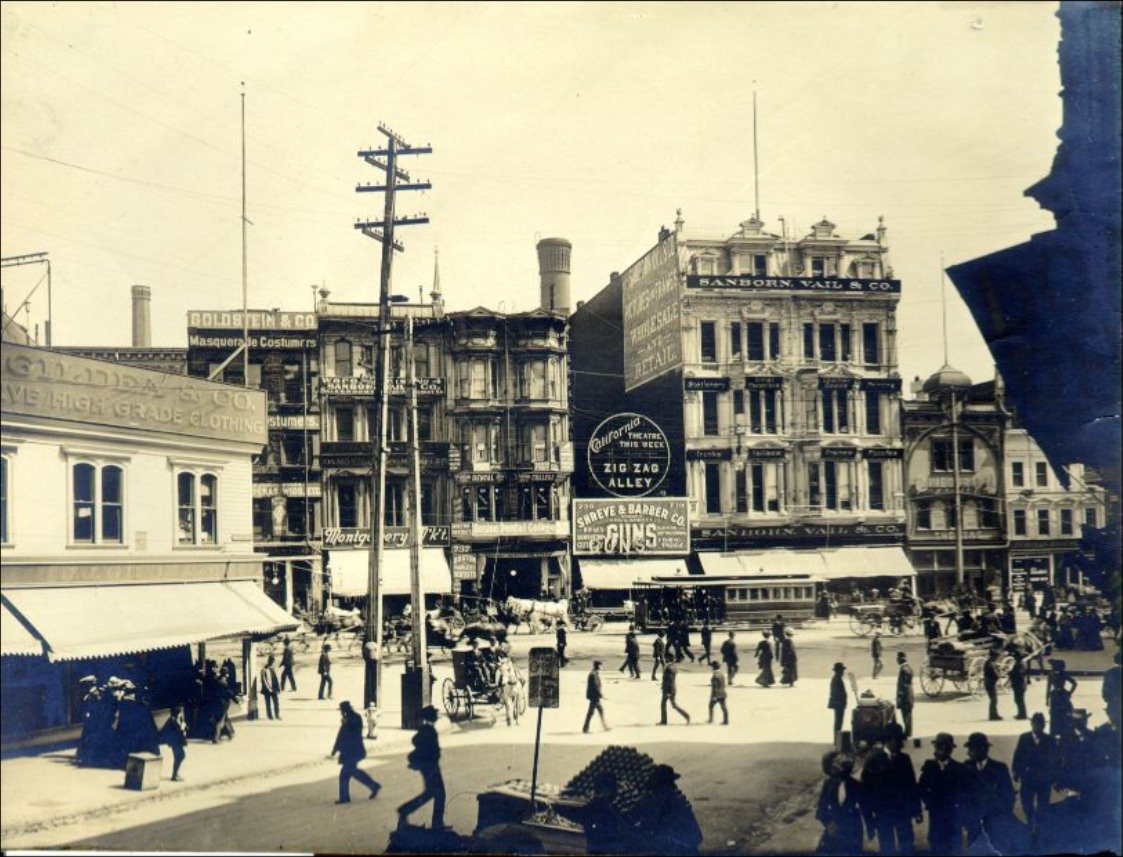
349,571
867,562
15,638
622,573
779,562
78,622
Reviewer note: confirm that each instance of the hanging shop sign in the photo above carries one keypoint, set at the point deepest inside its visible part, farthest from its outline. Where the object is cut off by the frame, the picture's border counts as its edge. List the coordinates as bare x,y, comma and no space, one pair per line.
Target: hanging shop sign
392,537
837,383
838,453
365,386
628,455
285,489
709,454
767,453
1028,571
659,526
652,315
747,282
258,340
310,422
874,453
805,535
880,385
764,382
707,385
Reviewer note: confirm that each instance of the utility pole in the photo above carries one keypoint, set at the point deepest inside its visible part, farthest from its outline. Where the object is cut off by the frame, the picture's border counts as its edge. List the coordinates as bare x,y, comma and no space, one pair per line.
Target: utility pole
383,232
416,591
32,259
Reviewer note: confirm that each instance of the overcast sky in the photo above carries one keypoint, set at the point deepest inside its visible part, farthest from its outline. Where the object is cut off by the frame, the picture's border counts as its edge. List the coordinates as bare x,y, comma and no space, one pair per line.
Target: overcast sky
594,122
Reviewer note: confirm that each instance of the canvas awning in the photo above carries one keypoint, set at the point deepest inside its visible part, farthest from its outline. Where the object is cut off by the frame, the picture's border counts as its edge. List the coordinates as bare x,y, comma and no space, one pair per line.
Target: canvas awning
78,622
867,562
15,638
349,571
622,573
779,562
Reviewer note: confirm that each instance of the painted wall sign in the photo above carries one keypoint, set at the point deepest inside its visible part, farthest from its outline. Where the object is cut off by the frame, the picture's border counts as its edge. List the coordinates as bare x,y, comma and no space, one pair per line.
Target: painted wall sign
793,284
40,383
628,455
366,387
295,421
652,315
808,535
709,385
764,382
393,537
880,385
285,489
659,526
543,687
874,453
464,565
258,340
257,319
709,454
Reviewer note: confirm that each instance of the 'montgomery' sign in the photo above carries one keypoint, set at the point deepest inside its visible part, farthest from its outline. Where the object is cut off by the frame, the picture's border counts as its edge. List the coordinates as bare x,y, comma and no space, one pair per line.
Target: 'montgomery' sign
46,384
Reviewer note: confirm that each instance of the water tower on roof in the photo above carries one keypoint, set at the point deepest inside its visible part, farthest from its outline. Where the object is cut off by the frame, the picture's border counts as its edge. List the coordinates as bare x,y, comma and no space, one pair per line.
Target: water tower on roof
553,274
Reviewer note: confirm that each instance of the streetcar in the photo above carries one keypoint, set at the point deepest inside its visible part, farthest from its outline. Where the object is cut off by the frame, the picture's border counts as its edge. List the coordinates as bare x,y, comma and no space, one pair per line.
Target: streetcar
724,600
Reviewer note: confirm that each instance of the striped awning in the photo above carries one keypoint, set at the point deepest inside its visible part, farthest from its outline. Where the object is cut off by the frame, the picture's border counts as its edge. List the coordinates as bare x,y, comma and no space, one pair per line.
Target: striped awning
79,622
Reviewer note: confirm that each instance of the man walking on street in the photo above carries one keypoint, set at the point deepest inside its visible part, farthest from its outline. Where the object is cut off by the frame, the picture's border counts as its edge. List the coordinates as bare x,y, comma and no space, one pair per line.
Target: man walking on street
271,689
905,697
891,793
288,661
837,700
631,653
174,734
324,668
349,746
875,653
562,640
1018,683
990,683
658,654
941,783
717,693
707,636
594,692
729,657
989,801
670,674
425,758
1034,767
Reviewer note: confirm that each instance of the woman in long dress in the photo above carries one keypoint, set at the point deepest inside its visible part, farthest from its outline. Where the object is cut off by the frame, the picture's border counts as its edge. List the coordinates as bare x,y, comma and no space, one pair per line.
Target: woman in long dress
788,660
764,657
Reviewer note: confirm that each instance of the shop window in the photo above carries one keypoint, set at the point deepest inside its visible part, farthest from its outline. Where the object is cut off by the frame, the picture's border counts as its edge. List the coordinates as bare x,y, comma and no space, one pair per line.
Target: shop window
343,359
1019,522
713,488
1017,474
346,504
484,506
709,413
1041,474
98,498
535,501
1066,522
296,509
708,340
197,508
1042,522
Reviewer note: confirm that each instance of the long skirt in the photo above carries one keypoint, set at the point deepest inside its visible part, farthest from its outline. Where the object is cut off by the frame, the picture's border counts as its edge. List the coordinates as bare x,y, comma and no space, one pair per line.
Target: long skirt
764,677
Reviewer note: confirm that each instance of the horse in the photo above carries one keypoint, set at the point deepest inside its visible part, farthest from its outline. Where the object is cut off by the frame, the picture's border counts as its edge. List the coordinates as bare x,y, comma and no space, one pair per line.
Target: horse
539,616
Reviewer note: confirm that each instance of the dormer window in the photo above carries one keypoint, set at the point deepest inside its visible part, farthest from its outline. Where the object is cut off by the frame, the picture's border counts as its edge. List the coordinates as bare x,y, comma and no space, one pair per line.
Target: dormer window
705,265
818,266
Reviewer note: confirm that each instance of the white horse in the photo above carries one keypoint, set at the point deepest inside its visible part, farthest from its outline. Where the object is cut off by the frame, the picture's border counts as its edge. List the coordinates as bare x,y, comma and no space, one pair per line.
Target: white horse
539,616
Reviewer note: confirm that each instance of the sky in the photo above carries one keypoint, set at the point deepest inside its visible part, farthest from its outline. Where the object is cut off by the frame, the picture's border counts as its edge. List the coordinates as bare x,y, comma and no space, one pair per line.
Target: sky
120,146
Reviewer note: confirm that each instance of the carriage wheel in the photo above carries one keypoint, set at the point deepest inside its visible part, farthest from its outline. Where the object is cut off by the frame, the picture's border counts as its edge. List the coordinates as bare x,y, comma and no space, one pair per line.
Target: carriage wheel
594,623
451,700
857,625
975,686
931,681
870,624
469,711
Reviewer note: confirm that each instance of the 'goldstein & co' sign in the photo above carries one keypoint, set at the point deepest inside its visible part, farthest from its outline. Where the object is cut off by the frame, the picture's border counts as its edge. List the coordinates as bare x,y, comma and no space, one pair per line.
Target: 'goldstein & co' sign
628,455
631,527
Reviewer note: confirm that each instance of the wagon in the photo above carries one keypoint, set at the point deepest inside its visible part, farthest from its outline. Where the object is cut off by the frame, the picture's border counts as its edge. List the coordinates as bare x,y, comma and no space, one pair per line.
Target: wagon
900,617
962,665
470,688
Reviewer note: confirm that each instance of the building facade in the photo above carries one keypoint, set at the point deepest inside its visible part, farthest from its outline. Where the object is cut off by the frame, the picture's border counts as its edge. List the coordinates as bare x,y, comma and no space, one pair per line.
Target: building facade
770,366
284,363
126,531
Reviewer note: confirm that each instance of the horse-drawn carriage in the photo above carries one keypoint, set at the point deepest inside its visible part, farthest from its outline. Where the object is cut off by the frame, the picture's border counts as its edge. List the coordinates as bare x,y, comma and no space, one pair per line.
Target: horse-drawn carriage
899,616
476,682
538,616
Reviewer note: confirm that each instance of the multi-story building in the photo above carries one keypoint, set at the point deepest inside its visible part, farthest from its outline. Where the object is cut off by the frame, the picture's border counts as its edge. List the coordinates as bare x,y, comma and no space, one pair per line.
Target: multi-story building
770,366
348,402
125,532
1046,517
509,421
955,438
284,362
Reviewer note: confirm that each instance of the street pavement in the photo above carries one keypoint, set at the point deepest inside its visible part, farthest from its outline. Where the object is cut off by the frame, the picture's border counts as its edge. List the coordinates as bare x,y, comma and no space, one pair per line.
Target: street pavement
273,787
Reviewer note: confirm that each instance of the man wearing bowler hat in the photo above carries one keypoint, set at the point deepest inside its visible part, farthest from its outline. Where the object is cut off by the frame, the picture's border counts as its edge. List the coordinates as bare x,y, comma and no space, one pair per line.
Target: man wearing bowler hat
892,798
990,683
905,692
942,782
594,692
837,699
425,758
1035,768
349,746
990,791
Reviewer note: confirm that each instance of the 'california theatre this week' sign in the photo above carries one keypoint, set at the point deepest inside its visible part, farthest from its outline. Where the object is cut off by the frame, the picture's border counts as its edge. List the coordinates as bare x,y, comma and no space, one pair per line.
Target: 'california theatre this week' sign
631,527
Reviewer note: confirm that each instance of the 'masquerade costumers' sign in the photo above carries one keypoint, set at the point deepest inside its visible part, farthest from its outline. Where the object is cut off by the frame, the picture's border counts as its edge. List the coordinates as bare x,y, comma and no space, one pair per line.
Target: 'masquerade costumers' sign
836,285
46,384
628,455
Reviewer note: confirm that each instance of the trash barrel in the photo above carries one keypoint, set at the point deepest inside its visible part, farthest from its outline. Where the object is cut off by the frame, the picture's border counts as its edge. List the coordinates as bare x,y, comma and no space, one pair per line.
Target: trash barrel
142,771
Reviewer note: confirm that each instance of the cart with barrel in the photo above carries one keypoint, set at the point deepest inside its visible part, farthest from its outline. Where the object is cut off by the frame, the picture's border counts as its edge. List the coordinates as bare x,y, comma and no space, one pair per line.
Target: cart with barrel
961,663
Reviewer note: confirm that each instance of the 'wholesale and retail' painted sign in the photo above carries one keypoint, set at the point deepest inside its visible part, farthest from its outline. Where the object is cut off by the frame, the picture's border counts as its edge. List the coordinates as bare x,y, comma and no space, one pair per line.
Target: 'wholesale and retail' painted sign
652,315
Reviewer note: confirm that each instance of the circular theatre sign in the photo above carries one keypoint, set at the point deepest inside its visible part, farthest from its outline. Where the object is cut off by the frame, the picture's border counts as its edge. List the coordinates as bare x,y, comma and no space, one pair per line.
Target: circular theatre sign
629,455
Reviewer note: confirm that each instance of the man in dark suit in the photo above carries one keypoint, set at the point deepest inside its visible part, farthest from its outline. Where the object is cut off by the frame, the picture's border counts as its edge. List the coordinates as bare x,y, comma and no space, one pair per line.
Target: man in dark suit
562,641
941,784
594,693
349,746
778,627
669,687
1018,683
905,696
837,700
990,683
989,803
288,661
892,797
324,669
1034,767
271,689
631,654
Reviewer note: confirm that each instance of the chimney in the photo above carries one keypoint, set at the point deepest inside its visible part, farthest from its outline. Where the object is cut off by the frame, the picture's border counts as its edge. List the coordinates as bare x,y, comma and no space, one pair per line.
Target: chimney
553,273
142,317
